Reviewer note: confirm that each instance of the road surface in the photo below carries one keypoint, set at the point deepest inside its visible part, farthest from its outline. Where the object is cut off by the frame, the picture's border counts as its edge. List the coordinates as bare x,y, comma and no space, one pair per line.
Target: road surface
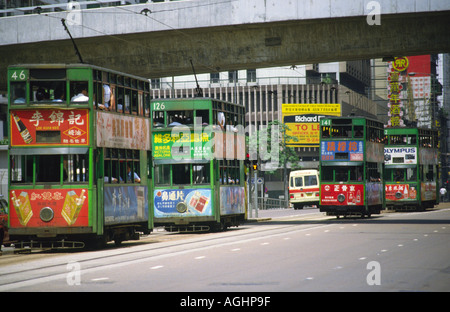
299,251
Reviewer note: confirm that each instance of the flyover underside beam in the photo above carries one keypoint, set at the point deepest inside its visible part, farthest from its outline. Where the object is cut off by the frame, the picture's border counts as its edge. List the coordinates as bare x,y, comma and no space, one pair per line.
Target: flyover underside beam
167,53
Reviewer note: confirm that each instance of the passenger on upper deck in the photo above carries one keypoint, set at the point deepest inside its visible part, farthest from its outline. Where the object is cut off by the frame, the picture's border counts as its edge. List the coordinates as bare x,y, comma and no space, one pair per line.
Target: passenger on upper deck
82,94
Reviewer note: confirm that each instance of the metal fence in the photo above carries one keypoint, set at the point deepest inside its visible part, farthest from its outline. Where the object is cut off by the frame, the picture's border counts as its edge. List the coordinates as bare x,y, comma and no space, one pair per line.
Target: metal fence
272,203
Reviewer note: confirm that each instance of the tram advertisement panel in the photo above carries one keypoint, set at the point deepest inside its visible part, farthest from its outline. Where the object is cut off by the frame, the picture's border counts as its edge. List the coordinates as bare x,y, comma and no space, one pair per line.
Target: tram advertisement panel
120,131
342,150
399,192
400,155
232,200
342,194
125,204
49,127
428,190
49,208
179,145
182,203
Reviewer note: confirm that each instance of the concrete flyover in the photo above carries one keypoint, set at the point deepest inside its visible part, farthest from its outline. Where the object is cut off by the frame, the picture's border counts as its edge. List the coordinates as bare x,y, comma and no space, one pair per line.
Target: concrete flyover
159,39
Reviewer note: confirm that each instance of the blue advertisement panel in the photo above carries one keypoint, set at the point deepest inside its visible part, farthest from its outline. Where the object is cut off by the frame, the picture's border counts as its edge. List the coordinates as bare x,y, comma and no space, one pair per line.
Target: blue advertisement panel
125,204
342,150
232,200
182,203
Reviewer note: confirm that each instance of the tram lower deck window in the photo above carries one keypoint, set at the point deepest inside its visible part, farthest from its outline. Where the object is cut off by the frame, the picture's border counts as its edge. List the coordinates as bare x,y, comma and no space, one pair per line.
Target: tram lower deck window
181,174
72,168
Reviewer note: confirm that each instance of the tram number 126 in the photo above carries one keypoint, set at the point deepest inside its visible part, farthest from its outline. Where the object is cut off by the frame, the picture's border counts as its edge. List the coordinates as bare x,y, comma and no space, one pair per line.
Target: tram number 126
158,106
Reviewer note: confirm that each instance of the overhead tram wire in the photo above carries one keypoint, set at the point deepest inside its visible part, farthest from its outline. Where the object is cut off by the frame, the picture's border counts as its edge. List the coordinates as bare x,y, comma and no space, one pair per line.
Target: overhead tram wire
145,12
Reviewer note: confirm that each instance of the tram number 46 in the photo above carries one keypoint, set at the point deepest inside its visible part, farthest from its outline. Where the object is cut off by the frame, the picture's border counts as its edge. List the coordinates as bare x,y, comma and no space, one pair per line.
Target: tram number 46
158,106
19,75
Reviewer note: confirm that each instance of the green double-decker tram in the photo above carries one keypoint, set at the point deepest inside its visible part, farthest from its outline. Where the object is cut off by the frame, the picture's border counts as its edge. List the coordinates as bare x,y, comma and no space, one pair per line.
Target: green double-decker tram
76,132
351,166
198,152
411,168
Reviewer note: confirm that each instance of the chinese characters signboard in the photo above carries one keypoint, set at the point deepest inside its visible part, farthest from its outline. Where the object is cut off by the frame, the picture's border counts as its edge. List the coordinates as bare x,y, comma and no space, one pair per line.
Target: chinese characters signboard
342,150
168,145
342,194
119,131
395,87
49,127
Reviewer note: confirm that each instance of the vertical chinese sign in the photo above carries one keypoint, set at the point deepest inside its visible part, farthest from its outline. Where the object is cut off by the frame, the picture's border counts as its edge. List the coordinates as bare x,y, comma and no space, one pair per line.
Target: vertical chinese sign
395,104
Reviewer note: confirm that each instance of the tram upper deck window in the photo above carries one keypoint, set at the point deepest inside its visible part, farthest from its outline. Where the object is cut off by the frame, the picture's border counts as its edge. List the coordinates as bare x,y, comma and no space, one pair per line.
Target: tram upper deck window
177,118
48,91
325,131
358,131
18,92
341,128
47,85
79,92
202,117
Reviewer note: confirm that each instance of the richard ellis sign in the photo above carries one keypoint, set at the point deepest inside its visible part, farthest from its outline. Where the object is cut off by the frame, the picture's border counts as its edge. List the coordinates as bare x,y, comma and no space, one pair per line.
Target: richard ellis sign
303,121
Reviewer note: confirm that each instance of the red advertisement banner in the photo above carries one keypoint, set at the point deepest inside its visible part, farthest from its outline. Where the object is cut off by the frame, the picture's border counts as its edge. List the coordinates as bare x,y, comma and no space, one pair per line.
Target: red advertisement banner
48,208
400,192
49,127
342,194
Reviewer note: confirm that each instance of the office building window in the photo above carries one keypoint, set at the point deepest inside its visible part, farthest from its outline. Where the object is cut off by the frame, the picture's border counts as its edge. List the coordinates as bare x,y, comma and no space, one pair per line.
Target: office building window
251,75
214,78
233,76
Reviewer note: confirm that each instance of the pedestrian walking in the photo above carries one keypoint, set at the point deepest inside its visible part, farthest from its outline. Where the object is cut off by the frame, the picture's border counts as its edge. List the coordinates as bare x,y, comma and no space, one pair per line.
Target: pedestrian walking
443,192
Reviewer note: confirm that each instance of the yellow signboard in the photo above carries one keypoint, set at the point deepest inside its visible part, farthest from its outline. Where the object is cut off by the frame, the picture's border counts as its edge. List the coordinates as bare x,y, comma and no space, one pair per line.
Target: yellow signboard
303,121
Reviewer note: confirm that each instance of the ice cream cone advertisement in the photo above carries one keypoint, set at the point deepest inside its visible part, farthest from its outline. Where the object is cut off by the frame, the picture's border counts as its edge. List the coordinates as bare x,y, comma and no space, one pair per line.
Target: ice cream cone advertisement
49,208
22,207
72,206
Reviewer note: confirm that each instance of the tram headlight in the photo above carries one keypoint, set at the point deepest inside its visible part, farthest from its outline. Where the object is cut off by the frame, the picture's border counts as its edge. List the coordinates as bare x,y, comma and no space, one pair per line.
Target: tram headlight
46,214
341,198
398,195
181,207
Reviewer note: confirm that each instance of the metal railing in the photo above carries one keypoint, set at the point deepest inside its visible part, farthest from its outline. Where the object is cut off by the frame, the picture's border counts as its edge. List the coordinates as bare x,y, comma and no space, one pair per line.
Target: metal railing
8,8
265,203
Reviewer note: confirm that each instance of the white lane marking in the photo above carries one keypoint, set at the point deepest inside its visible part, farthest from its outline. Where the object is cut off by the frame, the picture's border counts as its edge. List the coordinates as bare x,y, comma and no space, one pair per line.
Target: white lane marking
100,279
156,267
